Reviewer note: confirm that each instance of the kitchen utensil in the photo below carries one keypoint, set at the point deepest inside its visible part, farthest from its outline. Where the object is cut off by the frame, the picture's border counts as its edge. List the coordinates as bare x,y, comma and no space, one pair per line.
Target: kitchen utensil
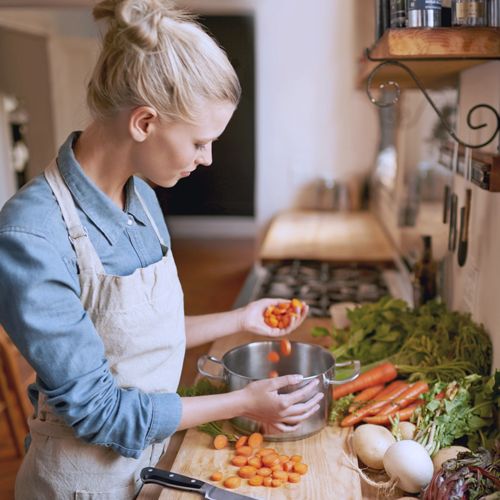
452,235
173,480
465,212
249,362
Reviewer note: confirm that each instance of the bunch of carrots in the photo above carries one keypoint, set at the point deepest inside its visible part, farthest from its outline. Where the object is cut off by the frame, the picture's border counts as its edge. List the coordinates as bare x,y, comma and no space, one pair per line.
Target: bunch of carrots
378,403
259,466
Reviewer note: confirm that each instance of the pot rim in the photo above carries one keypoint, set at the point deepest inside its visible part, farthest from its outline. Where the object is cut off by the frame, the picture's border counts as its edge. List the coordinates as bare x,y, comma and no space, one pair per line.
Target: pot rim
310,377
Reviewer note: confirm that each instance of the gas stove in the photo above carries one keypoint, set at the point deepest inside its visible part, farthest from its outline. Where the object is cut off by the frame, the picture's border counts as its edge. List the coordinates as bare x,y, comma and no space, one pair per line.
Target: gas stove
321,284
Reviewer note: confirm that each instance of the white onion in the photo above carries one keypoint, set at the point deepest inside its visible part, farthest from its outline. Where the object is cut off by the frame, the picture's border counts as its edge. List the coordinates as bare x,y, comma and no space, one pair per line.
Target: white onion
370,442
409,463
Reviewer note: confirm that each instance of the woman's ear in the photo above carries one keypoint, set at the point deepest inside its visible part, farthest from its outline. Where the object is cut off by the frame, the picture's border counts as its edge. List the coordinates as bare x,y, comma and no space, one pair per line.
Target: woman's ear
142,121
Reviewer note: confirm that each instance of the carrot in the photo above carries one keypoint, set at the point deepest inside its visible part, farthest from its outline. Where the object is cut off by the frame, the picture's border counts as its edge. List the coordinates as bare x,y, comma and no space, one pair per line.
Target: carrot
273,374
264,471
239,460
246,451
273,357
220,441
256,481
267,481
255,440
285,347
293,477
242,441
232,482
216,476
403,415
300,468
404,399
364,396
391,392
247,471
378,375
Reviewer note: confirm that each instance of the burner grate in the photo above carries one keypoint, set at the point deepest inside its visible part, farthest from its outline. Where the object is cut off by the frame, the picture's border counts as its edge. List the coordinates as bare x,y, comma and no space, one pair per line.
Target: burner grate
322,284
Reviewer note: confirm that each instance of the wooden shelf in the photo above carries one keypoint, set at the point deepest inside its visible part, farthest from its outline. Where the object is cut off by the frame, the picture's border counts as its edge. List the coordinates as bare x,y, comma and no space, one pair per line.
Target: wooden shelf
436,55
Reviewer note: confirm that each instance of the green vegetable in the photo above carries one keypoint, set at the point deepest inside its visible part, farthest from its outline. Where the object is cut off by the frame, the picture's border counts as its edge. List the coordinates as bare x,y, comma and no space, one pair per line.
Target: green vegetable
202,388
464,408
216,428
428,342
474,476
338,409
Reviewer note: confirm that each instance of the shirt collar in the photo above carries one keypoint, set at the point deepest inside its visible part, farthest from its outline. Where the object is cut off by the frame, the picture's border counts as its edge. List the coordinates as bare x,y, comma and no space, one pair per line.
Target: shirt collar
108,218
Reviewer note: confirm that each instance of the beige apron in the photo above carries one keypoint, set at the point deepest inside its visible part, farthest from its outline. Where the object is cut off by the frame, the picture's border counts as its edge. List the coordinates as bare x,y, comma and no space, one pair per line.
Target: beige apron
140,319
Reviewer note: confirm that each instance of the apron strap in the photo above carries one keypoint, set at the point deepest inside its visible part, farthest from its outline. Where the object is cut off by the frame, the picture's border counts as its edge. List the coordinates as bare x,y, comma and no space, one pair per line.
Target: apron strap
153,224
86,254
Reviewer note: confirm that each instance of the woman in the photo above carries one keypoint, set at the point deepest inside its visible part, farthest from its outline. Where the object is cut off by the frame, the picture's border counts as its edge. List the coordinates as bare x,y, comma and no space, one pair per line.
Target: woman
90,292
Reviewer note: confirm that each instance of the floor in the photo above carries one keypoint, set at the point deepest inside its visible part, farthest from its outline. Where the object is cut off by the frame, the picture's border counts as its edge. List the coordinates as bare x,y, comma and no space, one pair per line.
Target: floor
212,273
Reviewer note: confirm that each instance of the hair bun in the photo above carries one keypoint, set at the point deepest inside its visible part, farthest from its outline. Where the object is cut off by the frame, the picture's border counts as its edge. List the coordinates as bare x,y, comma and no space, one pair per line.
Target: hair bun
137,20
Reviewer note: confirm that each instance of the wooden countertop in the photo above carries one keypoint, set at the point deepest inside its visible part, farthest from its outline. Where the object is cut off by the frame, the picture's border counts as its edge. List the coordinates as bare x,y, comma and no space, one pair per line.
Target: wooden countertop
327,453
334,236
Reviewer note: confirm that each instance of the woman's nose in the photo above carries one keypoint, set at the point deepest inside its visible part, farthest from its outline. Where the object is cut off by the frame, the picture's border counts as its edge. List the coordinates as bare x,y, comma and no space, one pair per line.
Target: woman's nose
205,158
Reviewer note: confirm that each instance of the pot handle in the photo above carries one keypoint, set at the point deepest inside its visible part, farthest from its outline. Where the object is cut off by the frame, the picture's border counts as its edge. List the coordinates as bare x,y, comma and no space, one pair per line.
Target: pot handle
356,366
201,363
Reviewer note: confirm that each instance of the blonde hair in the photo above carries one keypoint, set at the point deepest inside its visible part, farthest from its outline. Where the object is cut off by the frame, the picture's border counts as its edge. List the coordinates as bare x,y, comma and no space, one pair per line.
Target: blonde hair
156,55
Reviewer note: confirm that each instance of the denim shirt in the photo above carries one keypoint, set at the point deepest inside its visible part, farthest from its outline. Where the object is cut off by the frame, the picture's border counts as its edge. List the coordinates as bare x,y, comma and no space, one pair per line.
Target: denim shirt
40,304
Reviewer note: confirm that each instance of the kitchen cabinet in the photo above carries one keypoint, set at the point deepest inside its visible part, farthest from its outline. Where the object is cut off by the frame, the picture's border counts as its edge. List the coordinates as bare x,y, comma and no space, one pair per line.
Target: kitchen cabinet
436,55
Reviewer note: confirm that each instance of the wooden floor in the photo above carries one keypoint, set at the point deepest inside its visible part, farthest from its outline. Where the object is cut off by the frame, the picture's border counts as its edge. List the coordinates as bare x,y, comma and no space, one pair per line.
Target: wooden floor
212,273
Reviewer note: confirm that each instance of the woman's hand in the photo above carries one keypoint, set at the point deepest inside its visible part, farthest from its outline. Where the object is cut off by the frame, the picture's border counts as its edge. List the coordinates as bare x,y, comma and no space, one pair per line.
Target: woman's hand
283,412
252,318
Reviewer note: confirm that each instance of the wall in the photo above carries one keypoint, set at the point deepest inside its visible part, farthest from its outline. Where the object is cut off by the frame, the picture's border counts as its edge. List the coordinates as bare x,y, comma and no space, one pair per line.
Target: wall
311,122
25,74
476,286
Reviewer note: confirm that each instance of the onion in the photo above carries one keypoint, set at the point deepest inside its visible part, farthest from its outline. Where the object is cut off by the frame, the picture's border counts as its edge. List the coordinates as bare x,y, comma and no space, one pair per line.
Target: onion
406,429
446,454
409,463
370,442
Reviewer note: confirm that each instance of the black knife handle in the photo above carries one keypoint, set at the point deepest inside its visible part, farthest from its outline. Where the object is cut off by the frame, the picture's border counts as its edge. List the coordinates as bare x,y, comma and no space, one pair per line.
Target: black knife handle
171,479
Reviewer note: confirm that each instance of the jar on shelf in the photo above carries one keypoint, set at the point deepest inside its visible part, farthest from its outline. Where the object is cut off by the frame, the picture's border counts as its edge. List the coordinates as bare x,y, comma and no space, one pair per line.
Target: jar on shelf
470,12
424,13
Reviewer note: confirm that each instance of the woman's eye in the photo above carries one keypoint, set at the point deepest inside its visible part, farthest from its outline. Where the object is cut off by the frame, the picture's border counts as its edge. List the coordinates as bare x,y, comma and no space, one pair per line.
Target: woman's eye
200,147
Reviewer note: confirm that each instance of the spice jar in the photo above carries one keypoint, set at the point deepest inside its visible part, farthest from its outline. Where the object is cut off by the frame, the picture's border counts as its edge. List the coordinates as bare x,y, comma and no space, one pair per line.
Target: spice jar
424,13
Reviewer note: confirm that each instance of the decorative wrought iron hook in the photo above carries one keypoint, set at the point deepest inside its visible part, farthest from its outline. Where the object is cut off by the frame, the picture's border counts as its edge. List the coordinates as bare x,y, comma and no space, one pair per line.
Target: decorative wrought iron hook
431,102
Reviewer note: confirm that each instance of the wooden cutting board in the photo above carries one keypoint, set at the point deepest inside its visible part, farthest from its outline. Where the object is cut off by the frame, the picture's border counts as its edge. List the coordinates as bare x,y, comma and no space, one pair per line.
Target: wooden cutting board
327,453
334,236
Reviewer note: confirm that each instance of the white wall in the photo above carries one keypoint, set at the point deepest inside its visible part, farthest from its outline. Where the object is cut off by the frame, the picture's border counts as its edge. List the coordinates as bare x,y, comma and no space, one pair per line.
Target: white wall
476,286
311,122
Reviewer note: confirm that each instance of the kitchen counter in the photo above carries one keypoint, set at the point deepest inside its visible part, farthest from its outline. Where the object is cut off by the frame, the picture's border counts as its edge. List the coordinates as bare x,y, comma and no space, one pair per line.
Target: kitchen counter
334,236
327,453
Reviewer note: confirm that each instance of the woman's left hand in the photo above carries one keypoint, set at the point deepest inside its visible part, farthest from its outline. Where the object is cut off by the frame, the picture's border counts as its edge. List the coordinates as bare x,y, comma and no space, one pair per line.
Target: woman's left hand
252,318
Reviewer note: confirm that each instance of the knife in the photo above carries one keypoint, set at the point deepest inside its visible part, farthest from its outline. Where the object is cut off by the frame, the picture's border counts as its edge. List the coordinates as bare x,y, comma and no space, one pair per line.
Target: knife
180,482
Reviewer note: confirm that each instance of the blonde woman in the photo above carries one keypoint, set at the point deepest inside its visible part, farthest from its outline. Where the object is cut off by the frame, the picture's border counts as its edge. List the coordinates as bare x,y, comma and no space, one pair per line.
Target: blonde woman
90,292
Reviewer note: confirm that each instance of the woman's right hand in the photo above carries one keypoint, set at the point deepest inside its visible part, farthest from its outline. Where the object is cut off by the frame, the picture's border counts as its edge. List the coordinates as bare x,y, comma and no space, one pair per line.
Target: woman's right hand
284,412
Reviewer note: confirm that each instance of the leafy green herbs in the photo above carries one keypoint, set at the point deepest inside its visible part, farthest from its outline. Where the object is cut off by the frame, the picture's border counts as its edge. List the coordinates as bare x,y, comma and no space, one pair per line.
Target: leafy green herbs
461,408
201,388
428,342
338,409
216,428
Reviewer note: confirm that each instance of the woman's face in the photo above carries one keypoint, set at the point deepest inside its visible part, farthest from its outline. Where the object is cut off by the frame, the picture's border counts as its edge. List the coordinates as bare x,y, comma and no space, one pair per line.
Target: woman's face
173,150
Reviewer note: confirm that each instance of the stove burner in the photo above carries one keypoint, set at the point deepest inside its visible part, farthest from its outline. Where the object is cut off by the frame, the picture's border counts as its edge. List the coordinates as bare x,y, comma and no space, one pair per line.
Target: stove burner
322,284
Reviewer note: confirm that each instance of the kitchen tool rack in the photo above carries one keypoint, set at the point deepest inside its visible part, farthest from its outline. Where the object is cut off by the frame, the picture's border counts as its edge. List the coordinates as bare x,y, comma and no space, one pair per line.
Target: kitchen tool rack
485,167
454,49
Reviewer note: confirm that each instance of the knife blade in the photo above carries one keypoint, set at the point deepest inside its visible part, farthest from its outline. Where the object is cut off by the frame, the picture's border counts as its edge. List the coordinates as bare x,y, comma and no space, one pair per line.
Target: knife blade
173,480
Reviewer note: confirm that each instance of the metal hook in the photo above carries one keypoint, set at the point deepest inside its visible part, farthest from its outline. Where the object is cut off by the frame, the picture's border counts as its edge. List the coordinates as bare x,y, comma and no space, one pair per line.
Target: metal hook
431,102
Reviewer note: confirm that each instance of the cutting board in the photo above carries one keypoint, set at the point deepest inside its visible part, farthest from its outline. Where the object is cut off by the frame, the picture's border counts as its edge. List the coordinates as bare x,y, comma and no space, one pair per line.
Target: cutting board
334,236
327,453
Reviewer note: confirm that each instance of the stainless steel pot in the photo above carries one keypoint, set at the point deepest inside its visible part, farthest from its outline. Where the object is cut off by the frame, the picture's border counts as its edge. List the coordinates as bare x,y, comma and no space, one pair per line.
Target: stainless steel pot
247,363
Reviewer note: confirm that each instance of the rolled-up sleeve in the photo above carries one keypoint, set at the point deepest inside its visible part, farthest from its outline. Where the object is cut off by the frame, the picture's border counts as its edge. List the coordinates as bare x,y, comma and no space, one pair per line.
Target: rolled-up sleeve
40,309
